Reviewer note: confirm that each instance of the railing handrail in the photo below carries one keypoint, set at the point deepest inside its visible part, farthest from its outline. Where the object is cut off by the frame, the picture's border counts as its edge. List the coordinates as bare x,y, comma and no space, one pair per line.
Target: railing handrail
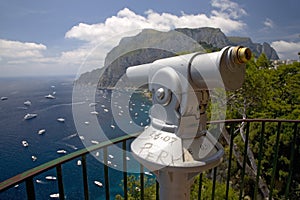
58,161
51,164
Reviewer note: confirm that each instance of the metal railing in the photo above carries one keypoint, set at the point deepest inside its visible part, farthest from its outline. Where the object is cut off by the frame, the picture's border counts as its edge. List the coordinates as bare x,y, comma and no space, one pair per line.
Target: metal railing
238,173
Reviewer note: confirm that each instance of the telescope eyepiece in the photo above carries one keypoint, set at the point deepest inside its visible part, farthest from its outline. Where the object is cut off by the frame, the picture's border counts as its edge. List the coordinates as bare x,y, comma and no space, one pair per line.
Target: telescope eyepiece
241,54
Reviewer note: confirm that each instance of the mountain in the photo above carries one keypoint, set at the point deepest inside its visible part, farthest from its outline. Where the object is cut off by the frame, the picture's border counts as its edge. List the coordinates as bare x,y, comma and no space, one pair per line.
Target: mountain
214,37
150,45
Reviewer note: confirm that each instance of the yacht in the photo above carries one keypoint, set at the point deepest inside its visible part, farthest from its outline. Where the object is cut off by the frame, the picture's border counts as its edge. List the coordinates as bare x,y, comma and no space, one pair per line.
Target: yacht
61,151
42,131
94,113
30,116
98,183
50,96
94,142
27,103
56,195
33,158
25,143
61,119
92,104
50,178
4,98
78,162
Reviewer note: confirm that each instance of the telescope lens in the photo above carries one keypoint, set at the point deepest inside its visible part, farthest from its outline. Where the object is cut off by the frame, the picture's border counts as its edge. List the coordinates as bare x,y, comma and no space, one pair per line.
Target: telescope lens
244,54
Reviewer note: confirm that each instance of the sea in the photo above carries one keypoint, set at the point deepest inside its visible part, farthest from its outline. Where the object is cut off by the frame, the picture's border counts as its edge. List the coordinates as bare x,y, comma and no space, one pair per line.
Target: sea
76,132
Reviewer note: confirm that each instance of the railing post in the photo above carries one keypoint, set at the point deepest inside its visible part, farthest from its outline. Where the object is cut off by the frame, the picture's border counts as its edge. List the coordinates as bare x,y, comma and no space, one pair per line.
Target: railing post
275,161
125,170
261,142
60,182
200,186
85,179
142,181
244,161
106,173
229,159
30,188
287,189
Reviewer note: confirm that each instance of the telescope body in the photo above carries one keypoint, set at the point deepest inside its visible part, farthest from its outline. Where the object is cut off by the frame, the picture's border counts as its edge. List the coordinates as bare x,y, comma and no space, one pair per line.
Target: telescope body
212,70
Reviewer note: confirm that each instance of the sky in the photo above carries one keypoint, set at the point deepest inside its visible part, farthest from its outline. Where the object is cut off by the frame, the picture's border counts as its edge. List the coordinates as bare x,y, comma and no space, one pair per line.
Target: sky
67,37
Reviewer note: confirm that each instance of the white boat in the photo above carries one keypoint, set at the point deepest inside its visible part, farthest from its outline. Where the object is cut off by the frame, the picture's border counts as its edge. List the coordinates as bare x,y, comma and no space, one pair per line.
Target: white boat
33,158
105,110
25,143
27,103
127,158
111,156
148,173
98,183
78,162
39,181
86,123
94,142
50,96
112,126
81,137
56,195
92,104
30,116
60,119
4,98
94,113
50,178
61,151
97,154
42,131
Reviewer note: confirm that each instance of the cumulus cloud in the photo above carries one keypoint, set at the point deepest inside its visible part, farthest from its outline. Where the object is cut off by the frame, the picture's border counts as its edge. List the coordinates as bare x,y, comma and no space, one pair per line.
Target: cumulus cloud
99,38
127,20
286,50
228,9
126,23
17,50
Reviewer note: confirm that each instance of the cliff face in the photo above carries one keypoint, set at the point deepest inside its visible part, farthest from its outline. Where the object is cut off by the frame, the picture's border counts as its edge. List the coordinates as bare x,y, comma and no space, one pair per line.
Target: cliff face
150,45
216,38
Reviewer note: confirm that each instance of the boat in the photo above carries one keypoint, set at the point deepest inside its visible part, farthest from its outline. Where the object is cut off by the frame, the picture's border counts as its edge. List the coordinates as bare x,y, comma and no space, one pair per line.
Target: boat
111,156
61,151
86,123
33,158
81,137
56,195
94,142
25,143
52,178
42,131
27,103
4,98
98,183
94,113
61,119
92,104
30,116
112,126
50,96
105,110
78,162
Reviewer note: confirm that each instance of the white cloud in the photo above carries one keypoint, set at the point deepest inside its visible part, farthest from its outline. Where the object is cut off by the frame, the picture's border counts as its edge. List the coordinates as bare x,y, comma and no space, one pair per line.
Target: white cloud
227,8
226,15
286,50
20,50
127,23
268,23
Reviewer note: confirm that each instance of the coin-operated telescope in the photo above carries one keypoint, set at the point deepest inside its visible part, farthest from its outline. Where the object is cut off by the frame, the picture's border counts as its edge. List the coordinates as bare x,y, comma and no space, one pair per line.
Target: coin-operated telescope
177,146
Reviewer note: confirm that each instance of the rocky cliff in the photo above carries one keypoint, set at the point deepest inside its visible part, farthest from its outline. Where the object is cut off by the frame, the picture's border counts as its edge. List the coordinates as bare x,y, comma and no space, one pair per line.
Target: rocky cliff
150,45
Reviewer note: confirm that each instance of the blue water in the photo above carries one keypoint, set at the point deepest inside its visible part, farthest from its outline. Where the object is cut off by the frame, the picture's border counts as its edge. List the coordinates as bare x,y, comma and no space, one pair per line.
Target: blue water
16,159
